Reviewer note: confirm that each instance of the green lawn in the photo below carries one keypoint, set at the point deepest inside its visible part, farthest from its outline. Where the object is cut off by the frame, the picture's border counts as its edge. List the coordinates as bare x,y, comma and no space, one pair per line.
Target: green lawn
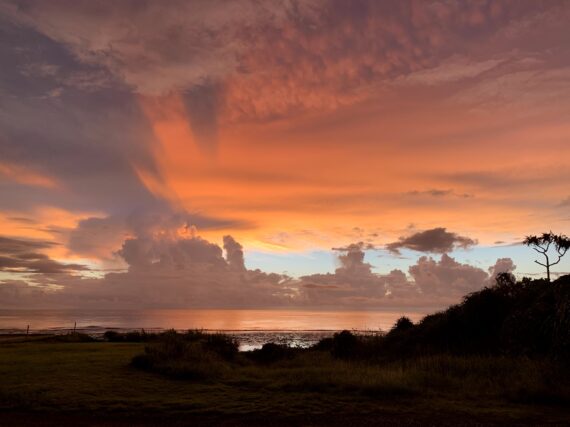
96,377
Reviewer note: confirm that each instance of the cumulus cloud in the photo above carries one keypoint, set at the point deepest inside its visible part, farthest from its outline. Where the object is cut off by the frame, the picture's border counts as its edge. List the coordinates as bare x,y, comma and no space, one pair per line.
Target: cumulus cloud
19,293
100,237
168,269
430,282
446,277
353,280
436,240
234,254
503,265
97,237
168,265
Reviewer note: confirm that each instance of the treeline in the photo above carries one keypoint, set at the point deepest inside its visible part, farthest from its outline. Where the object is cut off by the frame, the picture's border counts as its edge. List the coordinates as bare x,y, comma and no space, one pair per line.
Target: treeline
525,318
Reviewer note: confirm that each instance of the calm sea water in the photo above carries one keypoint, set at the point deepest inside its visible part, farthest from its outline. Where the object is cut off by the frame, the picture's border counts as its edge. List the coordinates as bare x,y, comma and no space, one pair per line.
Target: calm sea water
252,328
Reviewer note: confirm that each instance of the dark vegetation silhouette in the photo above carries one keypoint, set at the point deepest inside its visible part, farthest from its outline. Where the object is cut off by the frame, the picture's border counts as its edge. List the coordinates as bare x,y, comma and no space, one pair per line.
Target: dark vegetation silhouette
271,353
530,318
190,355
510,321
543,243
509,341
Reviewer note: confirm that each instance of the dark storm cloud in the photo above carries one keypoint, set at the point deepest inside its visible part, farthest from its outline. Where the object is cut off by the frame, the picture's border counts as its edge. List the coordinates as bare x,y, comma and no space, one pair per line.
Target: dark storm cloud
436,240
20,256
18,246
71,121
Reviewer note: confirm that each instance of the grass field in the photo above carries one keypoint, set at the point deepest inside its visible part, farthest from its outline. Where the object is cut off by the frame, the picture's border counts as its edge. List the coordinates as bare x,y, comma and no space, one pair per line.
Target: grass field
58,378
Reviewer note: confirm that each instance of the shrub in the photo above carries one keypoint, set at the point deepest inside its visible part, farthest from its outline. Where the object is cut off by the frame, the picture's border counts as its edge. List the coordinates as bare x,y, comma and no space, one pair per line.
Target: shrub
402,324
193,355
73,337
530,317
344,345
271,352
113,336
223,345
325,344
131,336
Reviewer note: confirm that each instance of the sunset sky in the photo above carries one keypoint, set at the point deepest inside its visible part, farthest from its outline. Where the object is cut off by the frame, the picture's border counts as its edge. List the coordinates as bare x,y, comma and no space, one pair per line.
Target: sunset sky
278,153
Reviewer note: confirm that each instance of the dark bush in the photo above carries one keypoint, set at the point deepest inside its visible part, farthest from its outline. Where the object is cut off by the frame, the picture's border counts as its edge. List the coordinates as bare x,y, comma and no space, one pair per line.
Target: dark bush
344,345
113,336
530,317
402,324
192,355
223,345
131,336
73,337
271,352
325,344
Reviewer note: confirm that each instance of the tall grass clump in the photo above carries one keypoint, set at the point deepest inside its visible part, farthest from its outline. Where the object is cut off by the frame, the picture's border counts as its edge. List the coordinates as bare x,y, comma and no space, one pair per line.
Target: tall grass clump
191,355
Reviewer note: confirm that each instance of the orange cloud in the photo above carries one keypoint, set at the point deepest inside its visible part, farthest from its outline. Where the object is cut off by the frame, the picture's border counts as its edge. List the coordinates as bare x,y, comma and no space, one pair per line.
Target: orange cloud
26,176
44,223
358,166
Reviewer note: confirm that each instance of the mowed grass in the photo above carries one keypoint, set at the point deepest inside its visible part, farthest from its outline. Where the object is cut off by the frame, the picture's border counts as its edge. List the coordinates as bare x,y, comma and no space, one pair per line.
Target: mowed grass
43,376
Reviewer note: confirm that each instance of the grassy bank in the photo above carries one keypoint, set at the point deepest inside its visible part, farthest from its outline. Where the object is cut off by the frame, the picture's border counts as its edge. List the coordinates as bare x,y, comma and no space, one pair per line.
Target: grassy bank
99,378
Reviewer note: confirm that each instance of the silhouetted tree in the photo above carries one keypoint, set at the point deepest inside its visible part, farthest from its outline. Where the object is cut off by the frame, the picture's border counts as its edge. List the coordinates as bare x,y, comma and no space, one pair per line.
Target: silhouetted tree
542,245
402,324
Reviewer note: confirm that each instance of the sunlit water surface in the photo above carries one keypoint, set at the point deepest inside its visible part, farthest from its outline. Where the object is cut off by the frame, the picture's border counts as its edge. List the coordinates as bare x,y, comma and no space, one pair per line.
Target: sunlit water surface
252,328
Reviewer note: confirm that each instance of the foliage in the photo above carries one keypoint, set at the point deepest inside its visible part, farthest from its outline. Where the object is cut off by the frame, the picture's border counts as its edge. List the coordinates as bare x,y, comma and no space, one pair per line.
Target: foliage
131,336
345,345
402,324
193,355
72,337
543,243
528,317
271,352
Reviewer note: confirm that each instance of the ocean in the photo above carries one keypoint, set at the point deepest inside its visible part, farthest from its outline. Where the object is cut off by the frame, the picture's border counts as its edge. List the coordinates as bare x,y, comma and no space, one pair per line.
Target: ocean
252,328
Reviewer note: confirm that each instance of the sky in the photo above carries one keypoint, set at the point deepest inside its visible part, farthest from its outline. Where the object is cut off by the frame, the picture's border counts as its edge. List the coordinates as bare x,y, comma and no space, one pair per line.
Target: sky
317,153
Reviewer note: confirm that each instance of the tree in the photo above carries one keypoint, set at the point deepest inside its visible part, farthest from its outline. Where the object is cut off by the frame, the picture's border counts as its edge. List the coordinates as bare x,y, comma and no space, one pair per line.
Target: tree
402,324
543,243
